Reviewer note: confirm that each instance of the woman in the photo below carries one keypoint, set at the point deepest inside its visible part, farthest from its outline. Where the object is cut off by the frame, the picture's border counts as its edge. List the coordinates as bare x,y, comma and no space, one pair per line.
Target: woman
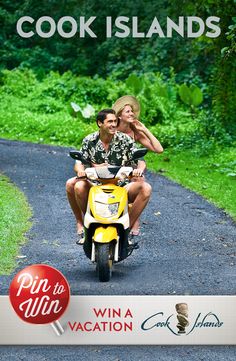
127,109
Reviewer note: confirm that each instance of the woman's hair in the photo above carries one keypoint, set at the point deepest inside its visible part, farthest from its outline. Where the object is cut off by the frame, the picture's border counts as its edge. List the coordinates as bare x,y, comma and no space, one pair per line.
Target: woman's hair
121,110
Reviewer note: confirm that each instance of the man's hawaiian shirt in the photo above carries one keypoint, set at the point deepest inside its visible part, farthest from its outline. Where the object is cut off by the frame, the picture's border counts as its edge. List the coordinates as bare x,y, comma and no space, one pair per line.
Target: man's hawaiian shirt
120,150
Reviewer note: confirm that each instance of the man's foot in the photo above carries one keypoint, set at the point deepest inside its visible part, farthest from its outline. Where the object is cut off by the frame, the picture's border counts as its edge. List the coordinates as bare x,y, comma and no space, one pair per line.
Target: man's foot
131,243
81,239
80,227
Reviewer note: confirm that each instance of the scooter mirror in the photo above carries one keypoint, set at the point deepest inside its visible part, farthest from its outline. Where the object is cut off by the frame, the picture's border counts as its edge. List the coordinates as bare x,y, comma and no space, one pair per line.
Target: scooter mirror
139,153
78,155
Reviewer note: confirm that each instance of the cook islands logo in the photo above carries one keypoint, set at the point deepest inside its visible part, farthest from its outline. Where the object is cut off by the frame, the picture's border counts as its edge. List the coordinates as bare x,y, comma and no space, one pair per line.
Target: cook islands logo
160,320
182,317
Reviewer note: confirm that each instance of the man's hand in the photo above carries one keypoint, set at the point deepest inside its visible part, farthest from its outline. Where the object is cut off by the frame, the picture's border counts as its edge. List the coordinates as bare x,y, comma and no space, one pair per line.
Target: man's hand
79,169
81,173
100,165
137,172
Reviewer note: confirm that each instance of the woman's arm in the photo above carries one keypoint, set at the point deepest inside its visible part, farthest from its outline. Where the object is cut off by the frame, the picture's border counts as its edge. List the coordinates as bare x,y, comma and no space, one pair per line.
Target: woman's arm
145,137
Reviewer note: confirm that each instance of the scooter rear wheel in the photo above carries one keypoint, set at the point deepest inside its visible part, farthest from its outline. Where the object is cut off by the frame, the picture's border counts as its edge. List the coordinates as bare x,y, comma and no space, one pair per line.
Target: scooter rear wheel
104,261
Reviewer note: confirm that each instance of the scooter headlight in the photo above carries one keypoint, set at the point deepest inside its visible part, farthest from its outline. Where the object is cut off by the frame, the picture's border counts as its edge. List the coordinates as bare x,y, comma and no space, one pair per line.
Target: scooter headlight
106,210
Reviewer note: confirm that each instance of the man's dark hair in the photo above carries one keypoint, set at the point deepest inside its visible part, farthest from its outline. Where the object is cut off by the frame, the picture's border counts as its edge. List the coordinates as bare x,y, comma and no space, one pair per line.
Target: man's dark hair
103,114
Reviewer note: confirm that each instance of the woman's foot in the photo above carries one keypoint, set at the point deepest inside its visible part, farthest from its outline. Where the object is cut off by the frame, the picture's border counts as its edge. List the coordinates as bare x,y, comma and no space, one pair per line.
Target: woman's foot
135,232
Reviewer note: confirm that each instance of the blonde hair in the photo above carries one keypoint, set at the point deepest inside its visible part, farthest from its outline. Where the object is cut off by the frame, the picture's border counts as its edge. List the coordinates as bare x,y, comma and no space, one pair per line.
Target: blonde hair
121,110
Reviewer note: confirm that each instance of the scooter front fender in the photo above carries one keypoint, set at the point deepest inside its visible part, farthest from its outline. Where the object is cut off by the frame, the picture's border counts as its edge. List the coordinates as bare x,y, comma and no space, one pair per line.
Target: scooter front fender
105,235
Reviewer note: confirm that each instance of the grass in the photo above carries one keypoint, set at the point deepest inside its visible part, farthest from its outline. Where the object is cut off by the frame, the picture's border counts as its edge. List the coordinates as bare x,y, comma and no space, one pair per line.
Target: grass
212,175
14,223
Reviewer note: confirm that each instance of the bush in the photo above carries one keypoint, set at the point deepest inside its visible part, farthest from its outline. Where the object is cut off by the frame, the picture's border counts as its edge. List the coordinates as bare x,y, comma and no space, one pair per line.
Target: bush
39,110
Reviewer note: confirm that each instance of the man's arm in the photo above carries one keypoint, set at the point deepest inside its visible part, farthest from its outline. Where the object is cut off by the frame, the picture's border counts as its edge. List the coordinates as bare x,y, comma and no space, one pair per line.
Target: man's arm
79,169
138,172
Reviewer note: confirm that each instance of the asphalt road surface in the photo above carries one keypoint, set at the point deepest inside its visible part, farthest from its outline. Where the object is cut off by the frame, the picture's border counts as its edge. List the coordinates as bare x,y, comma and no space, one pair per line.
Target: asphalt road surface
187,247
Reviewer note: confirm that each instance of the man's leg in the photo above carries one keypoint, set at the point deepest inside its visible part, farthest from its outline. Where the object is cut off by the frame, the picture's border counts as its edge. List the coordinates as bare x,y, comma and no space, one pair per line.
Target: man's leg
70,191
82,188
139,194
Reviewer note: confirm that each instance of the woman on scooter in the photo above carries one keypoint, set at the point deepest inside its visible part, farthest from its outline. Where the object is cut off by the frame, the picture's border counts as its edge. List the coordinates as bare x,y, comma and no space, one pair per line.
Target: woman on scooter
127,109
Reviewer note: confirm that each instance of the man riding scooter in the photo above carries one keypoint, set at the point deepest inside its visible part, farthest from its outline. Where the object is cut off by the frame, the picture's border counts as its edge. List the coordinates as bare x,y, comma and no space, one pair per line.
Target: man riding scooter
107,146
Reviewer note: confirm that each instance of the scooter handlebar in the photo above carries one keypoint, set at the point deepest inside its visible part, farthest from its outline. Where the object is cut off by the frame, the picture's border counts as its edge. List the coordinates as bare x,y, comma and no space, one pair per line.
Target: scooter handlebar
83,177
123,173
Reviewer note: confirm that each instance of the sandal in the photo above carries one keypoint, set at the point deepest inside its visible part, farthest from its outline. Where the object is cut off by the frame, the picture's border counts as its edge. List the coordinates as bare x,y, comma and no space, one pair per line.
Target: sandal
131,243
135,233
81,239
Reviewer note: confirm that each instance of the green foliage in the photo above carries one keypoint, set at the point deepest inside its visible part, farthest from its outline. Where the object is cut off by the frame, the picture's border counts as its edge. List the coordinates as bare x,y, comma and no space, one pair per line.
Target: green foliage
40,110
14,223
195,61
158,98
17,82
191,95
103,56
135,83
223,83
223,93
231,37
212,175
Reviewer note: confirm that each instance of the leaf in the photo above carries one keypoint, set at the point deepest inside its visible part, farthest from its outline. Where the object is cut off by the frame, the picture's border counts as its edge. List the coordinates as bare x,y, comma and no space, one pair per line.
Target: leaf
88,111
191,95
75,107
185,94
134,82
224,50
197,96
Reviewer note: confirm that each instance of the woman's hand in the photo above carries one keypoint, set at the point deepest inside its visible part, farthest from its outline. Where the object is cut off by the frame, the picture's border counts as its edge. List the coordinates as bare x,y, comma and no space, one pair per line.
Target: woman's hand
140,127
145,137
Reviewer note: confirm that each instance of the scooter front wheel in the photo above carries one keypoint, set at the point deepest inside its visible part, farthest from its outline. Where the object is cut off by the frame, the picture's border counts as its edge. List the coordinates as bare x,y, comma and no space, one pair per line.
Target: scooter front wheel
104,252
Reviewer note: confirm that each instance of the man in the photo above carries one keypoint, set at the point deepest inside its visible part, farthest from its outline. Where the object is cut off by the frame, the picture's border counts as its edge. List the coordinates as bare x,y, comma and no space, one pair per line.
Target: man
107,146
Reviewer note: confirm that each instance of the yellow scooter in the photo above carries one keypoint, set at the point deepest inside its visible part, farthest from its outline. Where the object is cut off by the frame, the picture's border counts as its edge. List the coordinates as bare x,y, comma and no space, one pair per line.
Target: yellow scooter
106,222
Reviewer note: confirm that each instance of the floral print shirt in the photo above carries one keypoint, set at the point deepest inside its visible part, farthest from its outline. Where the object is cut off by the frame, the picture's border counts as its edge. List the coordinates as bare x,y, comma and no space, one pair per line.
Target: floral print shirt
120,150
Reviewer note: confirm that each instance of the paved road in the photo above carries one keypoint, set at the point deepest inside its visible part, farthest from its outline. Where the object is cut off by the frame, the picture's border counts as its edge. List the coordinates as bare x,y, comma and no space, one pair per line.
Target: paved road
188,247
